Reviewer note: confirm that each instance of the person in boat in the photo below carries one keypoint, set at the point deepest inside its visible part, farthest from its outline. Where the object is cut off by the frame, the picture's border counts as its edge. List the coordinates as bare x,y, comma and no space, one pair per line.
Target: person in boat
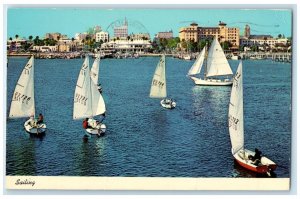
99,88
85,123
257,155
256,158
40,119
31,122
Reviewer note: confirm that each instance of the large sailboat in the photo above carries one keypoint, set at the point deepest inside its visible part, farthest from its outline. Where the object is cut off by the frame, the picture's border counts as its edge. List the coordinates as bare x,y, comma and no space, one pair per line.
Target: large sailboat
88,102
23,103
159,85
243,156
217,71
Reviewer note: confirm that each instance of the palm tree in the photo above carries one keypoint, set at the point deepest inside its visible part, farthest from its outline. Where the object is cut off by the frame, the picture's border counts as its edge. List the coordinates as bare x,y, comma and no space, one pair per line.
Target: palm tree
17,36
72,43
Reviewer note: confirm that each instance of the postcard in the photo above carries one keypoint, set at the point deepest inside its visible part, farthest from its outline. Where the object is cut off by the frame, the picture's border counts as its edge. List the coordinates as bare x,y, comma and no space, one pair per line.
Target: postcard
117,98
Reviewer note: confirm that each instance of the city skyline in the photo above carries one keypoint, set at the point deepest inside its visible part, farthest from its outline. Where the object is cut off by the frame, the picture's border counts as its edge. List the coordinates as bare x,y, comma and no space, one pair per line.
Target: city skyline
69,21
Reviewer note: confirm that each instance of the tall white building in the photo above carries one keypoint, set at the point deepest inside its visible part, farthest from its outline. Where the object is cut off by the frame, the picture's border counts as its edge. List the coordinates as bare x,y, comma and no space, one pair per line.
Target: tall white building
121,31
104,36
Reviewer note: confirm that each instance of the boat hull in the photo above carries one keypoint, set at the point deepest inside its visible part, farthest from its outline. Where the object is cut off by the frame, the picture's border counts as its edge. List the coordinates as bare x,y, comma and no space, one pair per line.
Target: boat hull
211,82
40,129
168,105
97,128
266,165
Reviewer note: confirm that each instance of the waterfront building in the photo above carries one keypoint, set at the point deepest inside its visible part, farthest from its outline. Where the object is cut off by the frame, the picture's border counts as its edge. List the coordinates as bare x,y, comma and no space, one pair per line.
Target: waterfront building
81,36
56,36
138,36
45,48
121,31
264,42
164,35
224,33
189,33
104,36
138,45
15,44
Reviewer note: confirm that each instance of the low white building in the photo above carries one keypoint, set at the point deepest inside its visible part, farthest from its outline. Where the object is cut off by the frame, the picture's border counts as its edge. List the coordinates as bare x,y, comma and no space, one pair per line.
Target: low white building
261,40
134,45
104,36
45,48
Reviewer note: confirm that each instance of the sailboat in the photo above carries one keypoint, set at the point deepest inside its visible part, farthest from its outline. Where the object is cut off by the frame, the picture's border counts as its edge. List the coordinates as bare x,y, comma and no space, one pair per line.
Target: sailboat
95,73
236,130
216,67
23,103
88,102
159,85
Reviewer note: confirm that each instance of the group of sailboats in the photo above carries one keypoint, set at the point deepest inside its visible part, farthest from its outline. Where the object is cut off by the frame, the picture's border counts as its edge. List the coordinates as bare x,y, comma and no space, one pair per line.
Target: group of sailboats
89,103
216,67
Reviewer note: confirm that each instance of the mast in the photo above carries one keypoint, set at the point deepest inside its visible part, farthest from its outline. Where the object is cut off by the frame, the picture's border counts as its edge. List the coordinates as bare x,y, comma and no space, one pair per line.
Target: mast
205,65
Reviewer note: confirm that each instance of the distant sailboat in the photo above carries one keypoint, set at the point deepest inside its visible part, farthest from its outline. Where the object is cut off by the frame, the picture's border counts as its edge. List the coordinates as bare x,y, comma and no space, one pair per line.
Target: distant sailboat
159,85
88,102
217,67
23,103
236,129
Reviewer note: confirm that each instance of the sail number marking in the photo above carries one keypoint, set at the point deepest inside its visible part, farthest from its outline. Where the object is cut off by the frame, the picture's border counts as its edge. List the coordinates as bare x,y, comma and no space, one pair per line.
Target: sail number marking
80,99
158,83
236,78
21,97
233,122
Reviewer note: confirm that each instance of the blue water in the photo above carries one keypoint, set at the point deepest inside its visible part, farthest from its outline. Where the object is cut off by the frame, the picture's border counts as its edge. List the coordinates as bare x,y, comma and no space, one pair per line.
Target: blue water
144,139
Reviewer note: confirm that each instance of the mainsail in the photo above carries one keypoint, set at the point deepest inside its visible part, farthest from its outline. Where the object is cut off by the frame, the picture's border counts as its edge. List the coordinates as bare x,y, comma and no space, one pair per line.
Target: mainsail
196,67
217,64
158,86
82,96
22,104
236,114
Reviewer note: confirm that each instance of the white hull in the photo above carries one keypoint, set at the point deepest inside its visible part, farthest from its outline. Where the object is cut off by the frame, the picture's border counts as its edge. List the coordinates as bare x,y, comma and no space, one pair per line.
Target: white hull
168,105
98,129
212,82
41,128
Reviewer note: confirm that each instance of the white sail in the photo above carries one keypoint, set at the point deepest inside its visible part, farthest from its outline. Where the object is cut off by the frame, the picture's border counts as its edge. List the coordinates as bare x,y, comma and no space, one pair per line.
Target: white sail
98,104
196,67
158,86
217,64
236,114
82,96
22,104
95,70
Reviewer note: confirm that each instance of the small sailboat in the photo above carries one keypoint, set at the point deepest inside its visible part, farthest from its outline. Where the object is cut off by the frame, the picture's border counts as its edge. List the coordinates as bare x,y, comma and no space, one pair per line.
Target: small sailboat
159,85
236,130
23,103
217,69
88,102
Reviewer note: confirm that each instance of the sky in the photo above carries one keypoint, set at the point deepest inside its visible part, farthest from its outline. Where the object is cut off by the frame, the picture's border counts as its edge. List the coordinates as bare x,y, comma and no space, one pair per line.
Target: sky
39,21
